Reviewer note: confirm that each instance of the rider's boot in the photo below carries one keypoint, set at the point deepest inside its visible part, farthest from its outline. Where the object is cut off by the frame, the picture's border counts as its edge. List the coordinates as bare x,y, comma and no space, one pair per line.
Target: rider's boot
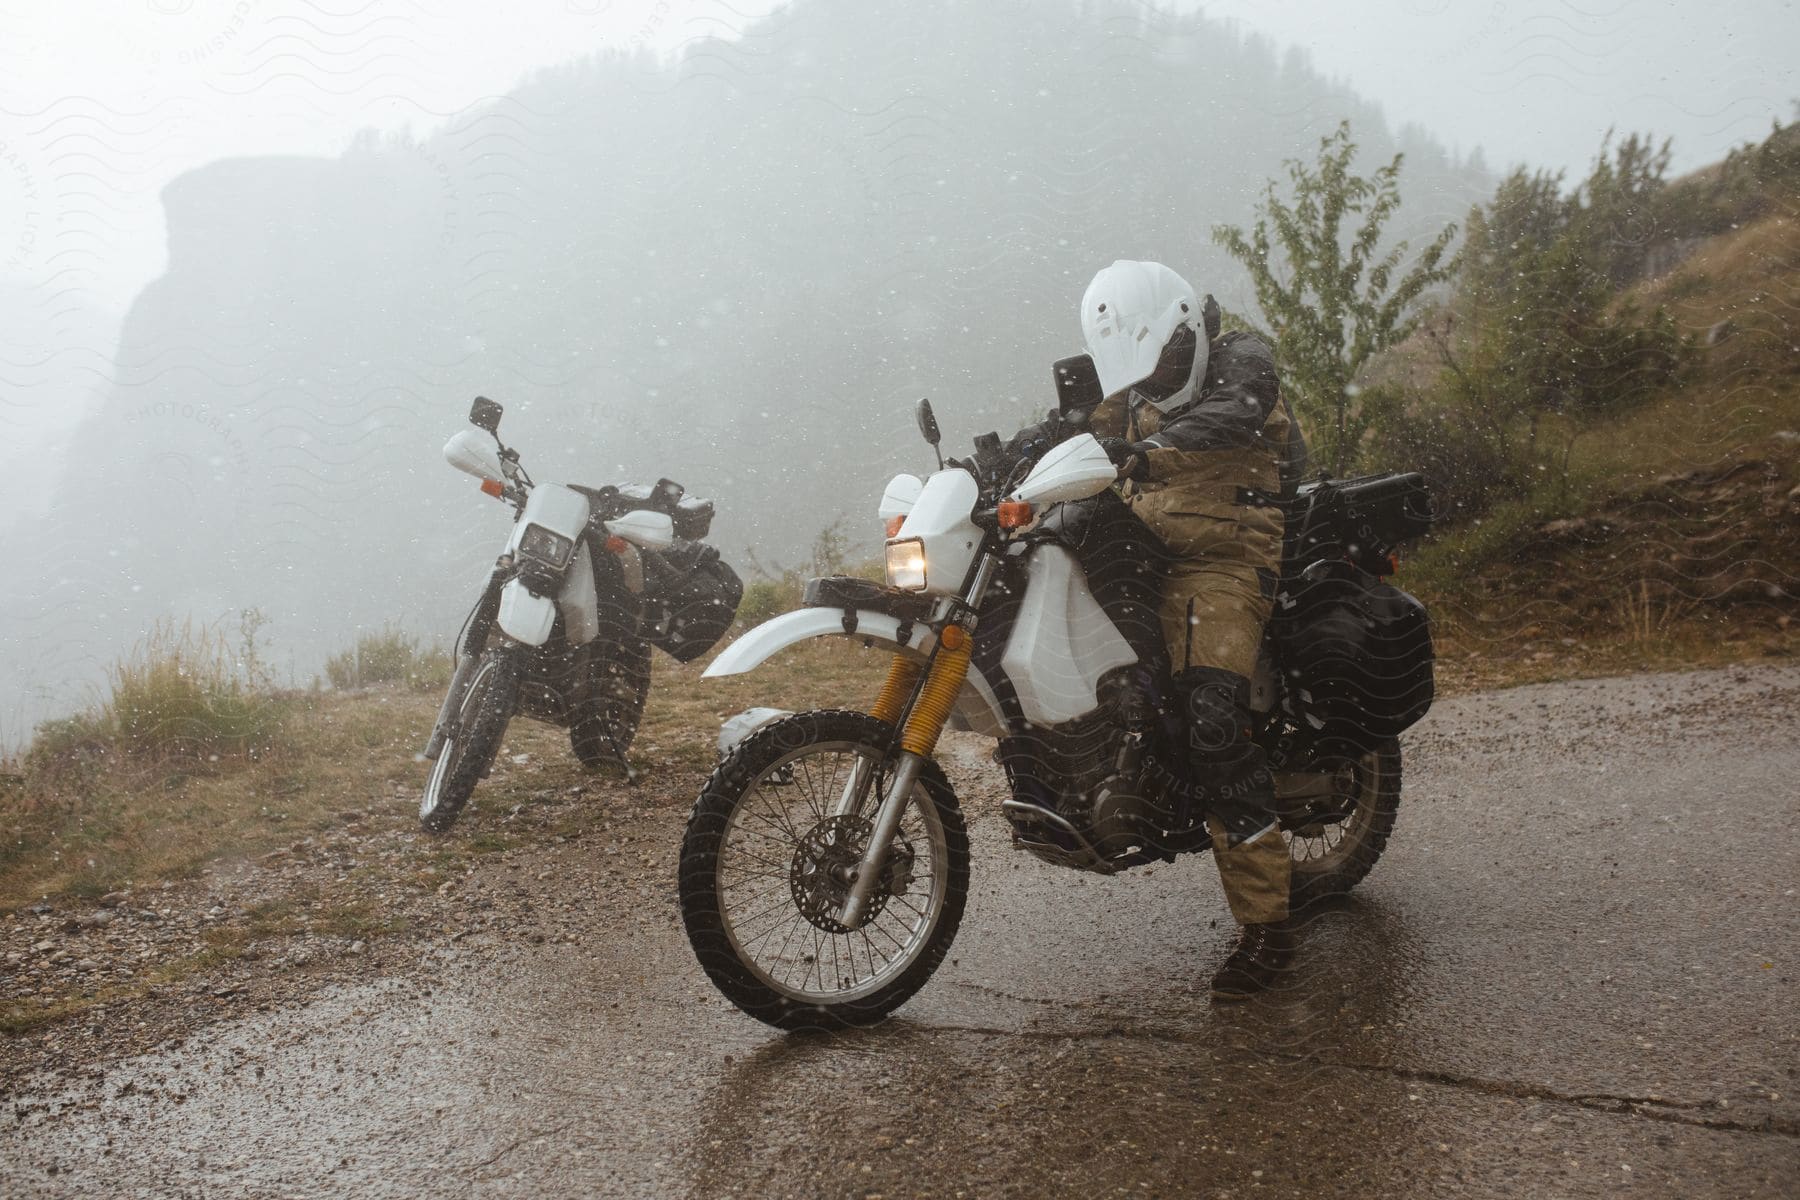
1231,777
1263,952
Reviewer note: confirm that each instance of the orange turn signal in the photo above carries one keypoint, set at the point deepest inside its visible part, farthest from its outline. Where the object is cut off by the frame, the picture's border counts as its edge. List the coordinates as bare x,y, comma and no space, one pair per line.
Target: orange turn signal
953,637
616,544
1014,514
894,524
493,487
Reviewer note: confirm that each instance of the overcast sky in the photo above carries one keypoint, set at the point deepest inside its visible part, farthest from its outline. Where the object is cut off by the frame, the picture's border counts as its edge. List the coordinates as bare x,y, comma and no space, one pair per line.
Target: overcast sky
1540,81
182,82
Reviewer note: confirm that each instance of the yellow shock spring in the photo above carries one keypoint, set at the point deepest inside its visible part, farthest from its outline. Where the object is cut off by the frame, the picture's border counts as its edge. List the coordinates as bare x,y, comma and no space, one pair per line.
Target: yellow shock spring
903,672
938,696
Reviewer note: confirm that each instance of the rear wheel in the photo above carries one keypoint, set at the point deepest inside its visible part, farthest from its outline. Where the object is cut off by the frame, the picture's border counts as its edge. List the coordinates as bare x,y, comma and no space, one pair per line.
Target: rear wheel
1333,852
602,729
764,868
481,720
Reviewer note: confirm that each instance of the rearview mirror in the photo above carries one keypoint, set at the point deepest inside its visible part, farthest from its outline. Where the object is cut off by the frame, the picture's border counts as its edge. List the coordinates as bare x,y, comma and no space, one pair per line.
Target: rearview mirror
928,426
485,414
1077,384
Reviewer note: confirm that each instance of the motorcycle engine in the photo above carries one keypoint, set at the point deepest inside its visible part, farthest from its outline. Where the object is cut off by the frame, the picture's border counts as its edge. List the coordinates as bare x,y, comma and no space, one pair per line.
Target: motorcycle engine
1098,772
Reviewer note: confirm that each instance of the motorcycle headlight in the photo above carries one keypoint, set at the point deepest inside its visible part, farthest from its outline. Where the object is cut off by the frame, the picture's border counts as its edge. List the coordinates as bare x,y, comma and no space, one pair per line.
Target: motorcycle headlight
547,546
906,565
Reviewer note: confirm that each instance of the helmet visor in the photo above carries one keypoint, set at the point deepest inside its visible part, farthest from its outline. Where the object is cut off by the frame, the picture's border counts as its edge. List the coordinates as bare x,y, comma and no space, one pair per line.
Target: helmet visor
1174,367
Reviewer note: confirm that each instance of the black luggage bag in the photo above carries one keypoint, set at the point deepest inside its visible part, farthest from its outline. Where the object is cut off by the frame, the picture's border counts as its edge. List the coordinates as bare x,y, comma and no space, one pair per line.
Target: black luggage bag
1355,656
691,596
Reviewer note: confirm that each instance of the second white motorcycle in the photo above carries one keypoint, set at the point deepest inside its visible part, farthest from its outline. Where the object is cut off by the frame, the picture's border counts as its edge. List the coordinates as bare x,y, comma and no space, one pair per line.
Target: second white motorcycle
590,579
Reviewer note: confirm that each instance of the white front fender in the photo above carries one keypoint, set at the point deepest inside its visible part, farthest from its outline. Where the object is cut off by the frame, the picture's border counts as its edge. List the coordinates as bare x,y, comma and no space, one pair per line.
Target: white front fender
756,646
524,617
977,704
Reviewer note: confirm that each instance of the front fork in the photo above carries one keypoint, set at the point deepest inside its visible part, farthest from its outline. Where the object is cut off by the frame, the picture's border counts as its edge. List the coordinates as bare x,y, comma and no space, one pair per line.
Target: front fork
481,621
903,675
459,682
930,711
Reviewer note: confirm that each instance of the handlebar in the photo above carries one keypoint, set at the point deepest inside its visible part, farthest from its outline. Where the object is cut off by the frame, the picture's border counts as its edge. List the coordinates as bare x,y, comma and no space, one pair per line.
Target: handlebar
998,466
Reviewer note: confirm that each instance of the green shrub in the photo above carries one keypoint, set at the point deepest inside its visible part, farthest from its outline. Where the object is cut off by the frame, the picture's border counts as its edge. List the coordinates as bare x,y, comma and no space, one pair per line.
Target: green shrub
1469,453
765,598
388,658
1753,180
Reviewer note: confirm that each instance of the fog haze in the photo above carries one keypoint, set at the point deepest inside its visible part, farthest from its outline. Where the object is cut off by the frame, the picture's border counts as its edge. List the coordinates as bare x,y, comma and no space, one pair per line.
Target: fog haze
254,262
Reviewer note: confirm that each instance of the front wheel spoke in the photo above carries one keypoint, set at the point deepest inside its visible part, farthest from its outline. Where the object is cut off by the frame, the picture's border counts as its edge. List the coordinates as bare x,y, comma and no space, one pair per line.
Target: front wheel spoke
813,802
783,840
869,949
787,916
775,813
884,932
756,868
797,924
793,922
775,817
762,896
774,864
818,958
785,901
916,911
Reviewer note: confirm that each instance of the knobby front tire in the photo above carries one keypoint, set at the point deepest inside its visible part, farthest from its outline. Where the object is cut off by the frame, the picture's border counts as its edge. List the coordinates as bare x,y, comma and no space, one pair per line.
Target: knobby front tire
486,710
758,895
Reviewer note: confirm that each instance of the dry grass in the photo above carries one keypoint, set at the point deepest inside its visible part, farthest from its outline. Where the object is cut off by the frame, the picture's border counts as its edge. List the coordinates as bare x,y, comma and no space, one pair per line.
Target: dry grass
346,756
186,692
1745,286
1650,616
123,821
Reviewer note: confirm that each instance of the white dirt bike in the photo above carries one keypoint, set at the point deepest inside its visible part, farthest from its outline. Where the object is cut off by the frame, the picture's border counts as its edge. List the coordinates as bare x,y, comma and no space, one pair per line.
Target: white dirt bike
825,865
590,580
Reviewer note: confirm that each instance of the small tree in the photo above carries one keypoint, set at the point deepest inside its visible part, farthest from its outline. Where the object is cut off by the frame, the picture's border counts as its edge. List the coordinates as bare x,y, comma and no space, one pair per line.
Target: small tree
1333,304
1547,329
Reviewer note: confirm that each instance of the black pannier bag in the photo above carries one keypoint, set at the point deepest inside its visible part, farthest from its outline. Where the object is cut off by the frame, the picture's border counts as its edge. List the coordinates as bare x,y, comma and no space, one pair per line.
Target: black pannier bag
1355,655
690,599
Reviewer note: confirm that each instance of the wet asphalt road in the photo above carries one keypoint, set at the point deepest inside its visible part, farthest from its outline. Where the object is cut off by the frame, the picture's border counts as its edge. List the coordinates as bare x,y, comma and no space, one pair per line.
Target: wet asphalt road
1576,972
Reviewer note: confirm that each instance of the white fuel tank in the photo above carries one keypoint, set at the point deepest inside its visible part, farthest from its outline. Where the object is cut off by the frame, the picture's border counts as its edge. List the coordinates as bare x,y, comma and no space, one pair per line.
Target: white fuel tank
1062,642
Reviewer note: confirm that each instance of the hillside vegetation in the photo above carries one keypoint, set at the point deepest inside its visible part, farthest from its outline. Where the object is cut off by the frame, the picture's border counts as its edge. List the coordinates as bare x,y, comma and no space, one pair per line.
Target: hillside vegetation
1608,406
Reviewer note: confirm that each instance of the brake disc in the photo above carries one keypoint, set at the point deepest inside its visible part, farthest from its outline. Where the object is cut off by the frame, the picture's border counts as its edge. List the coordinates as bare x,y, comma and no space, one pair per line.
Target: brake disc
823,864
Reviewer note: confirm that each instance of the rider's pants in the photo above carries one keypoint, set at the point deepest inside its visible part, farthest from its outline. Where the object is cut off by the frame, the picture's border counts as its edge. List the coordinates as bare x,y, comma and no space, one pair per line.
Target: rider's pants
1213,613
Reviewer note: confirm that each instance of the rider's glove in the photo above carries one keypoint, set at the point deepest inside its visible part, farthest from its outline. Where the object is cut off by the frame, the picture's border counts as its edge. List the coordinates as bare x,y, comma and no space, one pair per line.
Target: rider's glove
1132,458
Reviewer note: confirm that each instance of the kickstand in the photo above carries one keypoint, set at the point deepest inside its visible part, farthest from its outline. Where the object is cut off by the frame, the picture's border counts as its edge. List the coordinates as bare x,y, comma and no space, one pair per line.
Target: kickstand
631,775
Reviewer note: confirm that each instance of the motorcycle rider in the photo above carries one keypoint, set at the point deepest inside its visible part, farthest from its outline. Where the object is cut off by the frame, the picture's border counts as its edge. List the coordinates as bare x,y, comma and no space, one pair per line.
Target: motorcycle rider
1205,445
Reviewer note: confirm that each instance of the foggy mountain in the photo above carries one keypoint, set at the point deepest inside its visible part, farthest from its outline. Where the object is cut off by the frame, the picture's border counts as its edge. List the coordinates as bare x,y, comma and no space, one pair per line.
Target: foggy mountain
736,269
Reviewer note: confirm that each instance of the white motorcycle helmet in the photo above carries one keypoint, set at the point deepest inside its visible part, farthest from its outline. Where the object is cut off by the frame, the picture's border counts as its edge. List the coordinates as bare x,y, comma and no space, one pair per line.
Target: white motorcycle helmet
1144,331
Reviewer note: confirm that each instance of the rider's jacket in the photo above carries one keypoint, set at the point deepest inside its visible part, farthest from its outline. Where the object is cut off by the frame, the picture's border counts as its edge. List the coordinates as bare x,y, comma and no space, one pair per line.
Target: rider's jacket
1217,464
